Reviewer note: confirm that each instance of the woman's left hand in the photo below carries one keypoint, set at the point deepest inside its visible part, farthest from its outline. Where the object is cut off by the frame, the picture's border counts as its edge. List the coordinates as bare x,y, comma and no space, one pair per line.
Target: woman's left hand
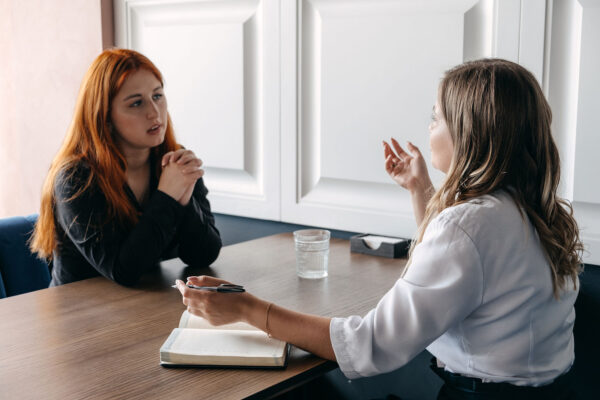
217,308
189,163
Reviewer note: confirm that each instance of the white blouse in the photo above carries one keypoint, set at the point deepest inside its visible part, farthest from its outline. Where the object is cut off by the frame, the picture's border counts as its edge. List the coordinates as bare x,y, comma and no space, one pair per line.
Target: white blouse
478,295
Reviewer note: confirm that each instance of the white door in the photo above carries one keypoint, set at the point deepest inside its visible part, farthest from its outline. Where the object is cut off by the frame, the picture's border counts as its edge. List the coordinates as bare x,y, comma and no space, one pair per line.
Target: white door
220,61
287,101
367,70
573,85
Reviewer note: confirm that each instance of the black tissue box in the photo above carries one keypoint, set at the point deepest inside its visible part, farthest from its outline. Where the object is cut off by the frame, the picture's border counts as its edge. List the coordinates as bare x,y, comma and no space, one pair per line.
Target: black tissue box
389,250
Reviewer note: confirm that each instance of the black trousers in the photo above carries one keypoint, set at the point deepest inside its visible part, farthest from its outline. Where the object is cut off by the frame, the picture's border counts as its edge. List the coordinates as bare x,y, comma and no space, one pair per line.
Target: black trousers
457,387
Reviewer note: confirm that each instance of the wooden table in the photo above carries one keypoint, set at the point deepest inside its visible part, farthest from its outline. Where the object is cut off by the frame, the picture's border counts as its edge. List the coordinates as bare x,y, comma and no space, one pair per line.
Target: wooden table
95,339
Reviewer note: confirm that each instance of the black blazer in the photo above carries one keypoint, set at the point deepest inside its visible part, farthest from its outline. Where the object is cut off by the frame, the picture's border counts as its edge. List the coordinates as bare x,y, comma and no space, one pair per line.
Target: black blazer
90,245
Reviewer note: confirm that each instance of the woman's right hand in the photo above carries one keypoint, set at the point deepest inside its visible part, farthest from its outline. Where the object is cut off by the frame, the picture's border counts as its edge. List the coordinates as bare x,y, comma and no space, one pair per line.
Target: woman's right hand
181,170
217,308
309,332
407,169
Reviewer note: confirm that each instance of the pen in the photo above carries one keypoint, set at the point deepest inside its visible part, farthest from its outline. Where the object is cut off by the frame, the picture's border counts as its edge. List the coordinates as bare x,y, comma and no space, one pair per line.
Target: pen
223,288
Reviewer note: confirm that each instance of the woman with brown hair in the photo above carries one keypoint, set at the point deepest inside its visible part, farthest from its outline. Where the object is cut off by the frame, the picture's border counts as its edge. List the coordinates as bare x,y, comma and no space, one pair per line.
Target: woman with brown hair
121,193
492,277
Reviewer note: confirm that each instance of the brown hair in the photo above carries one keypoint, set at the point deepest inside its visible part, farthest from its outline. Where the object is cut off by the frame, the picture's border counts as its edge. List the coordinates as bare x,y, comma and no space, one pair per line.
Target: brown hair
499,121
91,140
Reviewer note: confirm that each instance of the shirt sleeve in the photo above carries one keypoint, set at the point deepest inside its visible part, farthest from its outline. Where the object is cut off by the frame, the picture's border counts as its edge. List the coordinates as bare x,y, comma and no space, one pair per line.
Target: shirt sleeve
198,236
117,252
442,286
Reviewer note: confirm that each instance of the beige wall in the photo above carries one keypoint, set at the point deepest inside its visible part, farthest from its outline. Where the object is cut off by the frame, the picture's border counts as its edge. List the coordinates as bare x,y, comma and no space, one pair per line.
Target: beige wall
46,47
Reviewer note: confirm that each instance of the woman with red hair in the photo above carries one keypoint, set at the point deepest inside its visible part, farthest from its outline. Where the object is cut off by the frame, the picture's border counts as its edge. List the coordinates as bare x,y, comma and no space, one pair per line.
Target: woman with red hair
121,194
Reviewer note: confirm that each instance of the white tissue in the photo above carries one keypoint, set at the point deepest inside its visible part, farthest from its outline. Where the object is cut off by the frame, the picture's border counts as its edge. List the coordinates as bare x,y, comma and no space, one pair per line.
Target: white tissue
373,242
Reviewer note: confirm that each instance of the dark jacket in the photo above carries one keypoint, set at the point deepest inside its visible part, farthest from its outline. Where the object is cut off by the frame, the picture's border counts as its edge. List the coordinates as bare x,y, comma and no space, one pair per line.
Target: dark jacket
90,245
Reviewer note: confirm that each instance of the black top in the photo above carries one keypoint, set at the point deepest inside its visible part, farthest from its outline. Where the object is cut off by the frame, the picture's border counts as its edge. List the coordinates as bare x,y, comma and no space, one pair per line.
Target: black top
90,245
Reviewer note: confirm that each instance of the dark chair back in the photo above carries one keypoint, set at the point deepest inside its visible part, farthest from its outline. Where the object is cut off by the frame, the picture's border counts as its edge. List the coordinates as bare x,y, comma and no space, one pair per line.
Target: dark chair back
20,270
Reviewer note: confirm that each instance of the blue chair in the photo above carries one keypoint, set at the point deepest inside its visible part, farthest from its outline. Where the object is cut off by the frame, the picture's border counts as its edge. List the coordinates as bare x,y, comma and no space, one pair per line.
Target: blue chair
20,270
2,290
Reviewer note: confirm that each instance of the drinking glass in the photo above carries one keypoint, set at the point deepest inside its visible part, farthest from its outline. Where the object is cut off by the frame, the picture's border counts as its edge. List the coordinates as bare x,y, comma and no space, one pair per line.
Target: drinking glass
312,253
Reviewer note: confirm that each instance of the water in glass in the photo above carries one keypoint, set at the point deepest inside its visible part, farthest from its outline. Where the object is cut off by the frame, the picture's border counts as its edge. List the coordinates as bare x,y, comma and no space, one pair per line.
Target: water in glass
312,253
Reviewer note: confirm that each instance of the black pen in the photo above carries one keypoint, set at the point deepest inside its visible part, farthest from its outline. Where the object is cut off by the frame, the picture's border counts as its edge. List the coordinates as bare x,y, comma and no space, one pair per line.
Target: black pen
222,288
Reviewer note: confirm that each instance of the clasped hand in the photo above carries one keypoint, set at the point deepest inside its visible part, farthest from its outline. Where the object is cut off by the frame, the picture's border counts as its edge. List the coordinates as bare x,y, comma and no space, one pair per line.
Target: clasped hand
180,171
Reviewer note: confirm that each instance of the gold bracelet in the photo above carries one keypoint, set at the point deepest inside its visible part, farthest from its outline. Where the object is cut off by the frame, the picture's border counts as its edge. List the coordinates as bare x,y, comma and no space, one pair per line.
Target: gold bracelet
267,321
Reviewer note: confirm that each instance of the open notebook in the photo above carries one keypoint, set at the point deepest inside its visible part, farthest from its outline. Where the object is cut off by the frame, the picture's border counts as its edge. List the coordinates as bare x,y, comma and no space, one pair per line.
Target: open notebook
198,343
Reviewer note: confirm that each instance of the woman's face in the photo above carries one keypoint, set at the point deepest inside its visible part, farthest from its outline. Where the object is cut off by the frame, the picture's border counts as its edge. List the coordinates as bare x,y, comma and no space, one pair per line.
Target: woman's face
139,112
440,141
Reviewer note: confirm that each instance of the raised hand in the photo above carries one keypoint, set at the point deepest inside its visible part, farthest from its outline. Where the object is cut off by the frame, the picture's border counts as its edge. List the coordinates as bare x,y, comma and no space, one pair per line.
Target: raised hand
410,171
181,170
407,169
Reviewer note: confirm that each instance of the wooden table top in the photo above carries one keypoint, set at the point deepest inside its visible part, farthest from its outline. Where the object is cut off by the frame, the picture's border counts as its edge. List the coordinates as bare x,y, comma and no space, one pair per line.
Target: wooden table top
94,339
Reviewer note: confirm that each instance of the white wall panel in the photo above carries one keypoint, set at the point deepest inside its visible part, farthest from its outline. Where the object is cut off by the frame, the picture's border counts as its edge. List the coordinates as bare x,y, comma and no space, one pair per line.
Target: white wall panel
373,81
368,70
588,118
287,101
506,29
531,36
573,87
479,28
562,82
215,56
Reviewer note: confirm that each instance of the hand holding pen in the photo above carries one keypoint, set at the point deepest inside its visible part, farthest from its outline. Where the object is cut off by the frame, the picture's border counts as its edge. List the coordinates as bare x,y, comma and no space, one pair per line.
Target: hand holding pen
222,288
218,301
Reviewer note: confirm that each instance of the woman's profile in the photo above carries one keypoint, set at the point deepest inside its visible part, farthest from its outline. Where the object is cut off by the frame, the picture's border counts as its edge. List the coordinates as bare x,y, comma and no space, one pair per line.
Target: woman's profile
493,275
121,194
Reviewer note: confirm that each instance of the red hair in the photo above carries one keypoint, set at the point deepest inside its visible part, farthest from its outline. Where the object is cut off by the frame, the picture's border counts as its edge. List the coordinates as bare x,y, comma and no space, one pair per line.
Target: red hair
91,140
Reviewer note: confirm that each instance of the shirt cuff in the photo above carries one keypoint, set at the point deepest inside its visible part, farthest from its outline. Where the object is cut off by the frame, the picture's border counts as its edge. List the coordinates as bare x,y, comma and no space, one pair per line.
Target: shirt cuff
340,346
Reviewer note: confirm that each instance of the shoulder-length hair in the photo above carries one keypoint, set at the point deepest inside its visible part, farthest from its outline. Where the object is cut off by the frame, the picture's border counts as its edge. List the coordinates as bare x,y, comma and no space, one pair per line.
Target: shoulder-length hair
499,121
90,140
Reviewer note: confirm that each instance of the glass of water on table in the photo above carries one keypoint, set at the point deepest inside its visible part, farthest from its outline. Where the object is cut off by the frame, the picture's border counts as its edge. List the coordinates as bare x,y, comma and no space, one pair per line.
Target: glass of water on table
312,253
